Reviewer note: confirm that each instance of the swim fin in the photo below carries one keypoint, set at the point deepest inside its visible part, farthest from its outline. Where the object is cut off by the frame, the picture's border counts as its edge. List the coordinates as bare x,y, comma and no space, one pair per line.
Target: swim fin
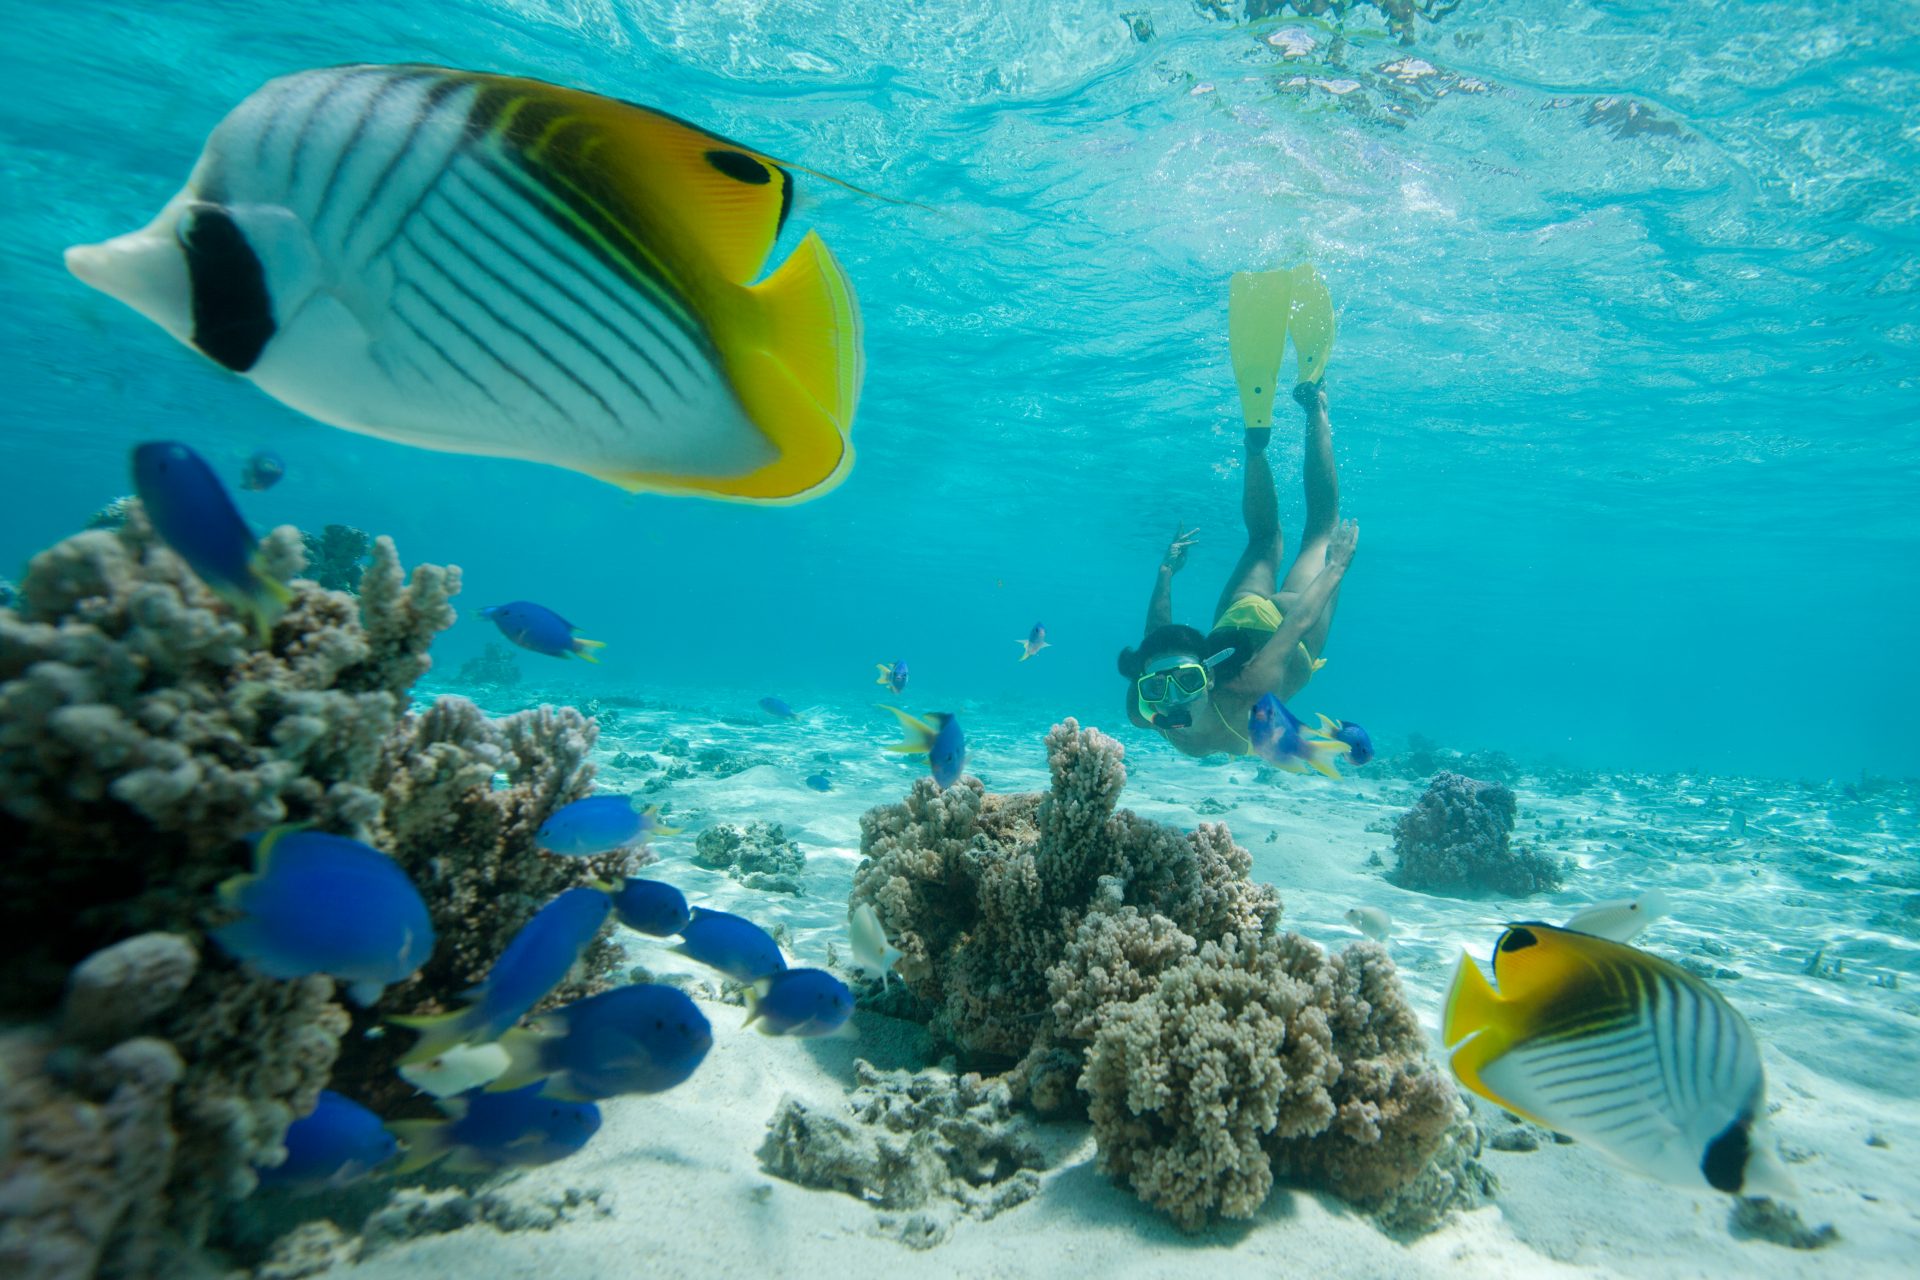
1259,304
1312,322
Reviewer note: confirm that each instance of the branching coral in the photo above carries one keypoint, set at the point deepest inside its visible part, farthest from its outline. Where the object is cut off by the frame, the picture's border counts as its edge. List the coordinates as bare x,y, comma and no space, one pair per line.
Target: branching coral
1458,839
144,734
1135,967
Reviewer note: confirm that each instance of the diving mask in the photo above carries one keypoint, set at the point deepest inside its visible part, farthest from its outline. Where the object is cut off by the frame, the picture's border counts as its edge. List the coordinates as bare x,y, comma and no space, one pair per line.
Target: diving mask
1172,682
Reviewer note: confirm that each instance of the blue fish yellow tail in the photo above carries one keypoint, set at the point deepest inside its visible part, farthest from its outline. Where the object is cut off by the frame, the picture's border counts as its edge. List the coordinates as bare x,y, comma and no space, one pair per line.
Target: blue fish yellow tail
523,1061
426,1142
886,674
660,828
1319,754
919,734
587,648
439,1032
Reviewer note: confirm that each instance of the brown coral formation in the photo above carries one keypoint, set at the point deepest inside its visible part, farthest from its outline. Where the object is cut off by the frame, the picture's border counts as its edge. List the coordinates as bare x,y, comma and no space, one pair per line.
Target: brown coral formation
144,733
1134,969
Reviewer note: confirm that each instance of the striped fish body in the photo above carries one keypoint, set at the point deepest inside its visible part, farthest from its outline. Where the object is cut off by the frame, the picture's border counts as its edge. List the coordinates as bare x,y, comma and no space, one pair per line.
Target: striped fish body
492,265
1617,1048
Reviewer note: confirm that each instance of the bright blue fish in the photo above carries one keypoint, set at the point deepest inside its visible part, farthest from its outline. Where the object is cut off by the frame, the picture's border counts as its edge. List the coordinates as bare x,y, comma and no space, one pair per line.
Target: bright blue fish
778,708
820,782
736,947
651,907
1278,737
533,964
339,1142
487,1131
194,515
799,1002
893,675
939,738
262,472
639,1039
325,904
536,627
600,824
1359,741
1036,641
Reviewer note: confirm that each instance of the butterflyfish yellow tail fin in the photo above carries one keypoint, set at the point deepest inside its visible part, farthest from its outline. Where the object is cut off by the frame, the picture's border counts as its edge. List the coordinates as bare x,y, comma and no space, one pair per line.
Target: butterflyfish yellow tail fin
919,734
1312,322
1258,306
1477,1025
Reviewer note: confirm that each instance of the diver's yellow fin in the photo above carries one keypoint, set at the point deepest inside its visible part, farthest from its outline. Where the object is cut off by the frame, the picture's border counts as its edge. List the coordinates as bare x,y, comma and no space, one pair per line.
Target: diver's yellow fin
1258,306
1312,323
920,734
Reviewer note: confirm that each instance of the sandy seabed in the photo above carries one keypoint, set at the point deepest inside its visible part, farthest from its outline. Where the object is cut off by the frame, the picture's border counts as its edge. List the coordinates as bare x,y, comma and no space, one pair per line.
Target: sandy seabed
673,1187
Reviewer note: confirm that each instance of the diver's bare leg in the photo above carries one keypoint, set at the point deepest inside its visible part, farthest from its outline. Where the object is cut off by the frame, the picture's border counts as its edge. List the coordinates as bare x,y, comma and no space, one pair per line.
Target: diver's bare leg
1258,570
1323,505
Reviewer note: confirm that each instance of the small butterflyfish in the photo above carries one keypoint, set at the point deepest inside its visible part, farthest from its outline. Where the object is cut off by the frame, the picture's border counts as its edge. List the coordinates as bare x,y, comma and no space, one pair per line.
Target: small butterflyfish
778,709
1359,741
1638,1058
325,904
539,629
600,824
456,1070
939,738
337,1143
652,907
1277,736
262,471
488,264
534,963
732,944
799,1002
645,1038
1621,919
1036,641
893,675
194,515
1372,921
872,953
488,1131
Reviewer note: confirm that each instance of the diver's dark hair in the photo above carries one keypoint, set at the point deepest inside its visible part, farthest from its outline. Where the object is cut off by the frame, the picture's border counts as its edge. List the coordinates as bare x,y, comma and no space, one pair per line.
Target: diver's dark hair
1172,638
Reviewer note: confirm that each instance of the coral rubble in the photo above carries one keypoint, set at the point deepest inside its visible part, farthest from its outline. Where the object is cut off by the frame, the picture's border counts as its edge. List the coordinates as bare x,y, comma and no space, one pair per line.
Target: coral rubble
335,556
1133,969
144,735
758,855
493,665
928,1142
1458,839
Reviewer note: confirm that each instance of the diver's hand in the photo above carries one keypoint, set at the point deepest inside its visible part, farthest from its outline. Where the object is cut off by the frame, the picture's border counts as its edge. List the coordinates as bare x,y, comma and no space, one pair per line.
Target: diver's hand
1176,558
1344,541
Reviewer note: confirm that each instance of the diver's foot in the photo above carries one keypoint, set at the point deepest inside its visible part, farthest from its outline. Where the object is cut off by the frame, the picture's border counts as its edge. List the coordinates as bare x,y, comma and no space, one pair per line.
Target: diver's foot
1257,438
1311,395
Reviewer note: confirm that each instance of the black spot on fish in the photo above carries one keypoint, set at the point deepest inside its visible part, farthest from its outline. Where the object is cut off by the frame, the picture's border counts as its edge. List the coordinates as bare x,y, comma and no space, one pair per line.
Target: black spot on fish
1517,940
232,312
741,168
1725,1164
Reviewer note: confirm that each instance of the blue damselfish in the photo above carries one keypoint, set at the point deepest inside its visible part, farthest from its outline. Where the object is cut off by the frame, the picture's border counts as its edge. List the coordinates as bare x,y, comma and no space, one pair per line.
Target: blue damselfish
338,1142
893,675
1278,737
799,1002
1359,741
600,824
735,946
194,515
939,738
487,1131
533,964
325,904
536,627
652,907
778,709
639,1039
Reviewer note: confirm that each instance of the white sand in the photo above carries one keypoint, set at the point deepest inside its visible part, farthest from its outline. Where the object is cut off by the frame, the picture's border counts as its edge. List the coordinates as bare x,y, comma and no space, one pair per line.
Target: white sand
687,1196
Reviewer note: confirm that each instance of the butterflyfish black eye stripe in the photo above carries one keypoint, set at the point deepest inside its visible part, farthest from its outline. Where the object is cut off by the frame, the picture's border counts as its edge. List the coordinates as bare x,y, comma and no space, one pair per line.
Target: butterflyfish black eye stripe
232,314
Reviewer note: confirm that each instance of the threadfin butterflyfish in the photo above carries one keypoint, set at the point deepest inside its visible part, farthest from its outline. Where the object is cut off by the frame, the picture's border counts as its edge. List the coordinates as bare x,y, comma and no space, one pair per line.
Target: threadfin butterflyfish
872,952
494,265
1634,1056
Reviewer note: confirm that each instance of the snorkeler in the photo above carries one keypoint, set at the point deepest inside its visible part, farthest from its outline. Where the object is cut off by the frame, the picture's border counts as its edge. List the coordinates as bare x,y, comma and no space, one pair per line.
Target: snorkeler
1197,690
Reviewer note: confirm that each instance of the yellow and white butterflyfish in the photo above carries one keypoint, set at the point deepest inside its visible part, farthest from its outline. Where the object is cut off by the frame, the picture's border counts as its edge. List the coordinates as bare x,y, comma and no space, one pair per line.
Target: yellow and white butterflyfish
1634,1056
494,265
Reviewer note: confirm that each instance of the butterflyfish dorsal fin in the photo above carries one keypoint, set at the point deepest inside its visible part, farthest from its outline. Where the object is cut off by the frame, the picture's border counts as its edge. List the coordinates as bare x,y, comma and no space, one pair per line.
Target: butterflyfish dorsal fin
677,191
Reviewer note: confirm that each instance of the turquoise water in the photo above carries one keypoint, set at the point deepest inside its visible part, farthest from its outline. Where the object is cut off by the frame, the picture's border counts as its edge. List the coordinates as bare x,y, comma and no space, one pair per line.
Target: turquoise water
1627,421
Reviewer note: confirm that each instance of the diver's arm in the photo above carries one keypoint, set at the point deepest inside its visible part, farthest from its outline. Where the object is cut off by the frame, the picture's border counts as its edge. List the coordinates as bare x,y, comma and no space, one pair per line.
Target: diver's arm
1160,607
1263,673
